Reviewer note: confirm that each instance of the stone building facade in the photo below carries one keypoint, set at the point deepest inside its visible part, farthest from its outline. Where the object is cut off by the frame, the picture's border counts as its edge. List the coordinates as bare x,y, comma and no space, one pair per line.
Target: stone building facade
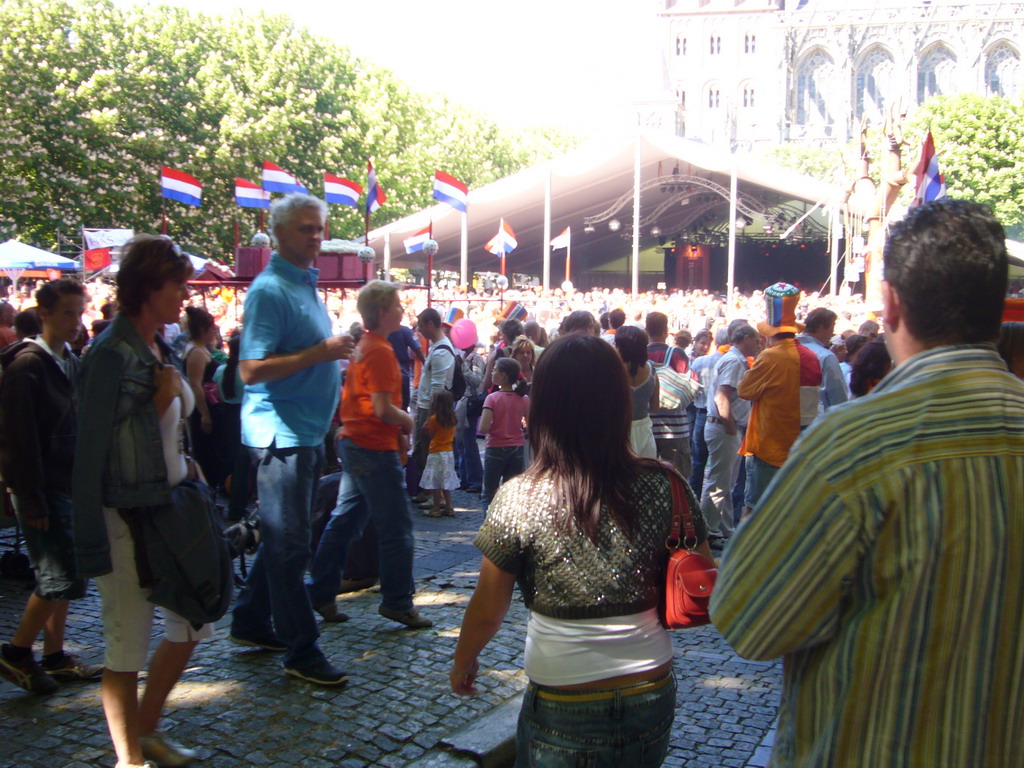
765,71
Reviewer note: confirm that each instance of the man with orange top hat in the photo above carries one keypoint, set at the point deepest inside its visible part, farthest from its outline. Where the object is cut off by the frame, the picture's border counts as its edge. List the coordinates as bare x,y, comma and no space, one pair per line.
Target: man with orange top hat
782,386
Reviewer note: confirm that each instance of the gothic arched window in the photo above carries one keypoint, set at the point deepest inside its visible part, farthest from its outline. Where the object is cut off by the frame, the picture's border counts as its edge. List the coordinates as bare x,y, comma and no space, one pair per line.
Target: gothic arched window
935,73
874,80
1002,65
812,86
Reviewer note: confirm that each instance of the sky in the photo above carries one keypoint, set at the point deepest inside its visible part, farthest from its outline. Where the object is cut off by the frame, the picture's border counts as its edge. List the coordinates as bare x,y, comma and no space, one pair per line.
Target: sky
573,64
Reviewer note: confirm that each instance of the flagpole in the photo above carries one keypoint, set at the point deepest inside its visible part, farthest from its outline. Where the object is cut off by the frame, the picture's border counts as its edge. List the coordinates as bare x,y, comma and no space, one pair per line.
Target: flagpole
503,262
464,252
546,281
163,217
568,259
261,221
430,262
236,233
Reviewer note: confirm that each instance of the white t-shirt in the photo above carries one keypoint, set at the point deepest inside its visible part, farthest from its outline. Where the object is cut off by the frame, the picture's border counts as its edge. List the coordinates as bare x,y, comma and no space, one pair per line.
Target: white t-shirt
574,651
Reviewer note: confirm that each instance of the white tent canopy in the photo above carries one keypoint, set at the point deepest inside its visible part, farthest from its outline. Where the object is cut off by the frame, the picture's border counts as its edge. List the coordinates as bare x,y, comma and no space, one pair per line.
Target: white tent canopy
684,184
15,255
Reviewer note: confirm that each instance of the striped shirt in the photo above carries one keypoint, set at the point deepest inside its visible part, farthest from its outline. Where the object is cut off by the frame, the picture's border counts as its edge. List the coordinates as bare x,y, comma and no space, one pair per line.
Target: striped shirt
886,564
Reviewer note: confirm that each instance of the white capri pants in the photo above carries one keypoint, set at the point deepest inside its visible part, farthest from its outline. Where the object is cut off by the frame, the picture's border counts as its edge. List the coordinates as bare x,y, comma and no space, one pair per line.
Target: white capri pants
127,613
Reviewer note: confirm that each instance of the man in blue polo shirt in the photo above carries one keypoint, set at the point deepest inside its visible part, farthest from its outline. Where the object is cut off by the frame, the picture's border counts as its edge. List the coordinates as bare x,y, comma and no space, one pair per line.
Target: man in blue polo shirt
289,363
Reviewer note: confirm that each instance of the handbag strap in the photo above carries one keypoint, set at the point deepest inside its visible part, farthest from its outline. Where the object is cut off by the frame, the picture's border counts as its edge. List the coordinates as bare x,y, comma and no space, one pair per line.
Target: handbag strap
682,514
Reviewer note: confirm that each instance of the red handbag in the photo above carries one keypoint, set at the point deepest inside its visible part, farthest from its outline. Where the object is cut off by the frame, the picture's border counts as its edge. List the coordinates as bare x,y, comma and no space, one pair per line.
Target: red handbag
689,576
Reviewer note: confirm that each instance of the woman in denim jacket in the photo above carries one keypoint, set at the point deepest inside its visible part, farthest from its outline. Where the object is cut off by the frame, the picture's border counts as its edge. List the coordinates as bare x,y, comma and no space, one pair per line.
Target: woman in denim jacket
132,403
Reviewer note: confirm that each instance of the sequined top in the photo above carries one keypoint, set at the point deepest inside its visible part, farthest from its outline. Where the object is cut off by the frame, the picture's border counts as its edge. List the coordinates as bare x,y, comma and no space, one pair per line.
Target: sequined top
560,572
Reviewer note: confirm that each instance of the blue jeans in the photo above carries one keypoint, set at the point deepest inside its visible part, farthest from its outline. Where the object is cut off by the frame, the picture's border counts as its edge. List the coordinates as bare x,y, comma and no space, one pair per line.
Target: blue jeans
699,451
501,464
274,599
759,476
373,485
629,731
467,457
739,491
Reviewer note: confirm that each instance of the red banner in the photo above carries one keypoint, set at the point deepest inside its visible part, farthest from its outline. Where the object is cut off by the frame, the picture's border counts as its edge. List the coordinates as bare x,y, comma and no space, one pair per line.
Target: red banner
97,258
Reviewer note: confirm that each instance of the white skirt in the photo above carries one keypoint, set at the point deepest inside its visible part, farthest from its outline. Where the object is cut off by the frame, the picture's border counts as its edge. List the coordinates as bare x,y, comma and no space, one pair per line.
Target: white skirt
641,438
439,473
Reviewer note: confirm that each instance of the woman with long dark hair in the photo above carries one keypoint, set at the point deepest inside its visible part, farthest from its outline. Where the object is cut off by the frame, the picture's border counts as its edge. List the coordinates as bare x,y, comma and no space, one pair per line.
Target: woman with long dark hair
631,344
583,533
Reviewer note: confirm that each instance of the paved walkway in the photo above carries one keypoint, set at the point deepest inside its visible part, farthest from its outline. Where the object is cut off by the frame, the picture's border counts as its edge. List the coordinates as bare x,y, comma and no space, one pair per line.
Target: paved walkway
238,709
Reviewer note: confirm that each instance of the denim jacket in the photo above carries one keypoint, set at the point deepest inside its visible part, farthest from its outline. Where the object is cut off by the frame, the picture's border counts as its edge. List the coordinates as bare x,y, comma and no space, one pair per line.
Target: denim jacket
119,459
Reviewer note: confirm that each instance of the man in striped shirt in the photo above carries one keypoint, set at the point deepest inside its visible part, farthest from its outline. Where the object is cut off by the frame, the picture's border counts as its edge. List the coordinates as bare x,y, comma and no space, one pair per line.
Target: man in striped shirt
885,562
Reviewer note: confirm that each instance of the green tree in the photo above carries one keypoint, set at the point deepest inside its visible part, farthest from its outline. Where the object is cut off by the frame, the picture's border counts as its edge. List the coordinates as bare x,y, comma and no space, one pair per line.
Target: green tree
980,145
94,99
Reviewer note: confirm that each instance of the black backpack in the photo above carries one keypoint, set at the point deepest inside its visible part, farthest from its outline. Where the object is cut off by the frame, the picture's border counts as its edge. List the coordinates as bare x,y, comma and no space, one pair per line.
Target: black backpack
458,387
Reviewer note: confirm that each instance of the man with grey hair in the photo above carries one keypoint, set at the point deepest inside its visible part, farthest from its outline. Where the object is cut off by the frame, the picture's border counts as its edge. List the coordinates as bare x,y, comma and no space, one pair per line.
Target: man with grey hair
723,432
373,486
289,363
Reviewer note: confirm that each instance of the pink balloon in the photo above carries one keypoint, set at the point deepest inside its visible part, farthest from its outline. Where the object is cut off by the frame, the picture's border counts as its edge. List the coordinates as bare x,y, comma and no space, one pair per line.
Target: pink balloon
463,333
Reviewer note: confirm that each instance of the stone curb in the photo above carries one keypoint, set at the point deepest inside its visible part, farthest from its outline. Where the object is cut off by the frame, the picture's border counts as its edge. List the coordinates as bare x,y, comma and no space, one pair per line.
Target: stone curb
487,742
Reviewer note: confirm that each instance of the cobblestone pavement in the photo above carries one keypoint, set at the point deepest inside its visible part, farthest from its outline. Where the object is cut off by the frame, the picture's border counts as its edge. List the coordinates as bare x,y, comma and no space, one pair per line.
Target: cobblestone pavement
238,709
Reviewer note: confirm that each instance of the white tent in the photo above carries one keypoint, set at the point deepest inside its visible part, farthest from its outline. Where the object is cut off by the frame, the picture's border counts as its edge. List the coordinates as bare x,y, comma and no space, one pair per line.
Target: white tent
681,184
15,255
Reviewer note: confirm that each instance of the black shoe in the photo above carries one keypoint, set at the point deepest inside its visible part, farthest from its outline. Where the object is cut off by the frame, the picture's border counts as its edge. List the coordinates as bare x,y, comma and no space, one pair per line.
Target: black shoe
473,489
320,672
27,673
268,643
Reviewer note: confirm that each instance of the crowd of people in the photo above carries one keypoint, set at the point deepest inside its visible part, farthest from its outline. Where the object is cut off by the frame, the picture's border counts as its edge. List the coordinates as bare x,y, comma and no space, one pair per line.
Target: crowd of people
858,473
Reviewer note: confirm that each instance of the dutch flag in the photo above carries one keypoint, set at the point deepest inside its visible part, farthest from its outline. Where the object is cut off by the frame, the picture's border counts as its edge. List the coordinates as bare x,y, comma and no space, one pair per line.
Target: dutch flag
249,195
278,180
931,184
415,243
504,241
374,194
450,190
341,191
179,186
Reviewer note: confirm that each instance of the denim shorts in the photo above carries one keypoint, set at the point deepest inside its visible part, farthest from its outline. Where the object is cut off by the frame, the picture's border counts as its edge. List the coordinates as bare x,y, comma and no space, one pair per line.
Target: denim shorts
52,551
618,730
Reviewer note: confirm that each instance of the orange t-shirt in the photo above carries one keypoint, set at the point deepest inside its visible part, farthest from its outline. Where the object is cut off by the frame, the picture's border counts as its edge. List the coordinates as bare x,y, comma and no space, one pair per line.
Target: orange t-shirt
441,438
373,368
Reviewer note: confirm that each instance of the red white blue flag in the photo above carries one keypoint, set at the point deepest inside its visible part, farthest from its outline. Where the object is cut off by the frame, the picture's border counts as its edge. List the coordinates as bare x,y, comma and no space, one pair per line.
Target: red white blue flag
450,190
276,179
175,185
415,243
931,184
374,194
341,191
249,195
504,242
